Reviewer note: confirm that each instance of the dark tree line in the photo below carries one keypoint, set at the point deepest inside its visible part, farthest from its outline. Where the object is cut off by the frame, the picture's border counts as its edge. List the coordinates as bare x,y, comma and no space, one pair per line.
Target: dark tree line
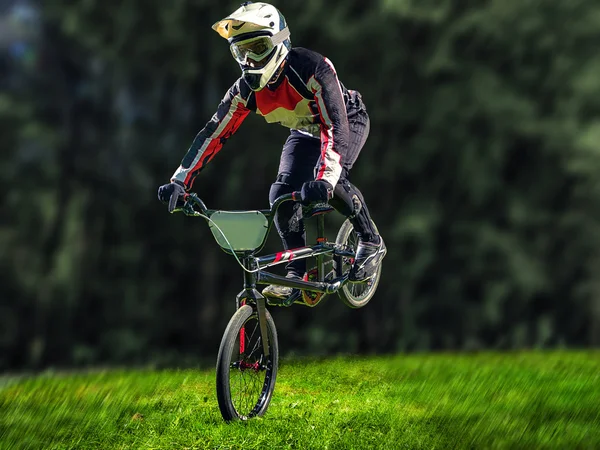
481,171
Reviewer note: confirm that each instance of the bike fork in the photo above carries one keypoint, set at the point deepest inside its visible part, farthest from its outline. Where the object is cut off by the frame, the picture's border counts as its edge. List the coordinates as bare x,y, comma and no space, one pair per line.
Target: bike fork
250,293
261,310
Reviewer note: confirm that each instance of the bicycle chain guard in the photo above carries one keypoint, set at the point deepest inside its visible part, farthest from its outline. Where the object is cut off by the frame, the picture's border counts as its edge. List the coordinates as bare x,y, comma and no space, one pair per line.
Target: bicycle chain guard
311,298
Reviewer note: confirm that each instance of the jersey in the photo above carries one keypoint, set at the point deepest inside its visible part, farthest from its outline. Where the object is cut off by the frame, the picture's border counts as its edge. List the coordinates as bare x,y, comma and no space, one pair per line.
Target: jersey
307,97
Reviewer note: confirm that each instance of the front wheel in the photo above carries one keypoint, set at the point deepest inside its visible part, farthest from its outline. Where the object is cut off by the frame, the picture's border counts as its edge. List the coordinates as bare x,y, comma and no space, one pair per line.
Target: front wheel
245,375
354,295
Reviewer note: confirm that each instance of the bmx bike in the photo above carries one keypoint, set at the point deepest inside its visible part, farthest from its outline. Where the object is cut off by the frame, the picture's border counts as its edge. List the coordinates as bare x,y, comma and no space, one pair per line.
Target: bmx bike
248,355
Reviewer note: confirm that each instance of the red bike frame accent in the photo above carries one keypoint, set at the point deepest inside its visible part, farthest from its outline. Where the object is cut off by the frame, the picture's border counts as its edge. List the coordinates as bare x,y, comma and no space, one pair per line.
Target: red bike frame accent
284,256
246,365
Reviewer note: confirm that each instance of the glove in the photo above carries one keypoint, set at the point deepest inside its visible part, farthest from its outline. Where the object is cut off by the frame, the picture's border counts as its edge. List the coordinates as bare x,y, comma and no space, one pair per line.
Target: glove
318,191
167,190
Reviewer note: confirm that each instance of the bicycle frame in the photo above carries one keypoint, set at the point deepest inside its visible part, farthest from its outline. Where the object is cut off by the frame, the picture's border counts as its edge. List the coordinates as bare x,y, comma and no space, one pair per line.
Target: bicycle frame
254,266
248,357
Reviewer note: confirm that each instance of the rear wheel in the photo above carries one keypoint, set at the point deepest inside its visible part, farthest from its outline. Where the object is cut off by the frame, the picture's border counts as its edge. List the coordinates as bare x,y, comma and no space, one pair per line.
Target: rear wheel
355,295
245,375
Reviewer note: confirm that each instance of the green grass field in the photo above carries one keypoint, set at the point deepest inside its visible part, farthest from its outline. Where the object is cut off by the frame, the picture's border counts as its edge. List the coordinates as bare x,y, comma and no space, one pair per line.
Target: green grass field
526,400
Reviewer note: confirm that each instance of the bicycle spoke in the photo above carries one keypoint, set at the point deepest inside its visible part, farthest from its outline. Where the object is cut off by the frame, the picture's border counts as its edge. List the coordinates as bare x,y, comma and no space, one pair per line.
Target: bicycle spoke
256,346
249,339
250,372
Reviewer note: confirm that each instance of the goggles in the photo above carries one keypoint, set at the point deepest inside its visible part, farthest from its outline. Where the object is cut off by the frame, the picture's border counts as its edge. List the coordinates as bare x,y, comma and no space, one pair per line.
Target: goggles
257,48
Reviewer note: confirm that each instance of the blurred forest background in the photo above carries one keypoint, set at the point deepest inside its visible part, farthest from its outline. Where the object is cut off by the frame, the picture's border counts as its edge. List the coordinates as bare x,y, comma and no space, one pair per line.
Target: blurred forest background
482,172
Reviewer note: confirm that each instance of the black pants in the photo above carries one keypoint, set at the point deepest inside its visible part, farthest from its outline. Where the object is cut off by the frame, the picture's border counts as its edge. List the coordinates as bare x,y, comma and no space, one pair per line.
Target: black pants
300,156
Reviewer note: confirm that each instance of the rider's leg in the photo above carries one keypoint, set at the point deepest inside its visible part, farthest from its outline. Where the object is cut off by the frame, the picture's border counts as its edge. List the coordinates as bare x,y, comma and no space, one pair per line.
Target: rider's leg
298,158
371,248
349,201
288,221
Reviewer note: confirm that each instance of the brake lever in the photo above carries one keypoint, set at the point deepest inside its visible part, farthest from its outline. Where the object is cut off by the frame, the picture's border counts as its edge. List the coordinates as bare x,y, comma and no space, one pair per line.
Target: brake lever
174,199
173,202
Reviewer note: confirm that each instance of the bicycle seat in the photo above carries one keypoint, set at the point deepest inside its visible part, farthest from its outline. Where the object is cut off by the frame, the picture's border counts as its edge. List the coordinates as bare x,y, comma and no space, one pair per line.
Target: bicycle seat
316,209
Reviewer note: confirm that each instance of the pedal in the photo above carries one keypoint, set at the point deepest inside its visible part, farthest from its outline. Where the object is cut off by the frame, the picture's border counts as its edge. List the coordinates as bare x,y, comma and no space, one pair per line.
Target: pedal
292,298
285,302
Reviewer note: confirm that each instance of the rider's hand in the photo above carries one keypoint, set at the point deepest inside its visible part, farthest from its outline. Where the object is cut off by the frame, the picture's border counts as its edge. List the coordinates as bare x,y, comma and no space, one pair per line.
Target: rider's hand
167,190
318,191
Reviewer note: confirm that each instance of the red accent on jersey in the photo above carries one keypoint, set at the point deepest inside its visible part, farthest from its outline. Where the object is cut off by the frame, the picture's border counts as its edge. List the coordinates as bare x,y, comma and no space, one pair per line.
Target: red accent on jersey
285,96
216,145
326,130
324,145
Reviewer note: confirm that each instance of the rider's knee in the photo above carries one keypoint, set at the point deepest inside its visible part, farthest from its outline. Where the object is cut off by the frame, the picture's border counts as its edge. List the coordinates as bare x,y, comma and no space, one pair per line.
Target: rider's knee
347,198
280,187
288,219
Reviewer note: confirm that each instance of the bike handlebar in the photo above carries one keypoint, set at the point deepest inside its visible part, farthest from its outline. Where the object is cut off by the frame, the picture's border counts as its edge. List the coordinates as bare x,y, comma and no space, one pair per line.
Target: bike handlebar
294,197
191,199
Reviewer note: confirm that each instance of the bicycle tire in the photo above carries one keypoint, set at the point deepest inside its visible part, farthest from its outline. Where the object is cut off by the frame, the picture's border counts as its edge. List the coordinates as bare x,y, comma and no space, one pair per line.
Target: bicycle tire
354,295
254,397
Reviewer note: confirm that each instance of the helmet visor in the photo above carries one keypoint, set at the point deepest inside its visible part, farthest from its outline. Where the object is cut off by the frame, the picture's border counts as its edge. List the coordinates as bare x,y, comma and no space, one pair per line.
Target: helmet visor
256,49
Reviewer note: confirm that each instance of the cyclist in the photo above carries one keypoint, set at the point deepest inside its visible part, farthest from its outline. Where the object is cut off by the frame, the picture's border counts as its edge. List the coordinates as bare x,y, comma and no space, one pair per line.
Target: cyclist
299,89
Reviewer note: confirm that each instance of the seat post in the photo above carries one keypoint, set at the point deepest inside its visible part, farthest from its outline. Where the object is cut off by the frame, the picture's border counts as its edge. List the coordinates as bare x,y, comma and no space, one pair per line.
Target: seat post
319,211
320,238
320,227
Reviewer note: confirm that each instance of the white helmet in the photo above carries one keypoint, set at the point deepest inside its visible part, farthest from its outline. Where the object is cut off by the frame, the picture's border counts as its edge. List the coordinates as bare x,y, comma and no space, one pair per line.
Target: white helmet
259,40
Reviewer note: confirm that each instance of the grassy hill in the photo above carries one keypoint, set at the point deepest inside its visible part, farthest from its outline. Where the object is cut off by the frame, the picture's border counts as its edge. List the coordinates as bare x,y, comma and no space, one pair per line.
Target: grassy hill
488,400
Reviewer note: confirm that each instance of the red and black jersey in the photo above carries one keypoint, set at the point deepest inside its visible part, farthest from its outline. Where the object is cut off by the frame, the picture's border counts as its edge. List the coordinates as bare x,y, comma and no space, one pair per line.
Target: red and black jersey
307,97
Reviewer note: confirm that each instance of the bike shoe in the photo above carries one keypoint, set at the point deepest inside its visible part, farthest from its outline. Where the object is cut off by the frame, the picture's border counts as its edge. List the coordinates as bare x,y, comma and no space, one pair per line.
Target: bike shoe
367,261
280,292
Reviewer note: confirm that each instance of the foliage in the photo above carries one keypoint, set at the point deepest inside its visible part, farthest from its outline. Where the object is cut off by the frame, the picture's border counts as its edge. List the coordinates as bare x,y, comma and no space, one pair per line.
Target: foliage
480,172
